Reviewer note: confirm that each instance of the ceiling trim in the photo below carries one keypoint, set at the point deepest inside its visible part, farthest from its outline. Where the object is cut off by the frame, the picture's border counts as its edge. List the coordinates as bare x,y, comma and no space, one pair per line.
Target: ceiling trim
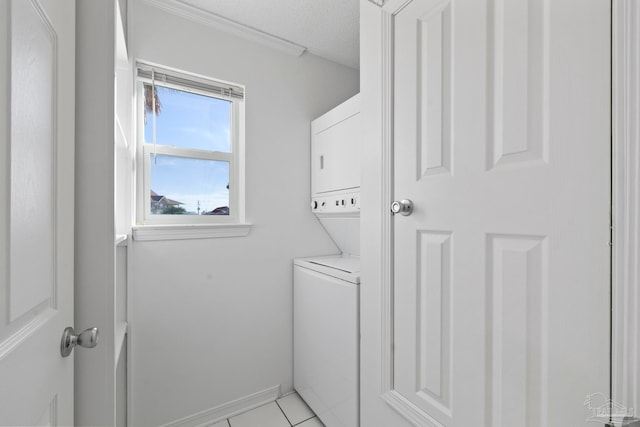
220,23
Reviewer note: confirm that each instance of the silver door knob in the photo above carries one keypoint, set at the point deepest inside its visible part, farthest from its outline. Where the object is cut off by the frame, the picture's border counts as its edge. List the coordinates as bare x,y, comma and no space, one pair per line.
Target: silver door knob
402,207
87,339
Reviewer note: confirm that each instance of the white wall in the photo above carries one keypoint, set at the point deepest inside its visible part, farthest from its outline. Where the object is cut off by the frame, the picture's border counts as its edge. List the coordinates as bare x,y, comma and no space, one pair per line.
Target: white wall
211,319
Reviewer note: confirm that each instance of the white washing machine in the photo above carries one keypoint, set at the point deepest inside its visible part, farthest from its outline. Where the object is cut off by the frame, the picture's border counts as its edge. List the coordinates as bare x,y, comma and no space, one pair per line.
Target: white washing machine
326,337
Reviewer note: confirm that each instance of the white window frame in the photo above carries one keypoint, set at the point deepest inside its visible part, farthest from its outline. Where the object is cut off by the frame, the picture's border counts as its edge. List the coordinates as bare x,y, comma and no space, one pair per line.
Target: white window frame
144,151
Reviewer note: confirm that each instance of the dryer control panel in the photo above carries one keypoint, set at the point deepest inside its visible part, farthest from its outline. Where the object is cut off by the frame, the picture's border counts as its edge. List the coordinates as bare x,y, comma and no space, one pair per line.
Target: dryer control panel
340,202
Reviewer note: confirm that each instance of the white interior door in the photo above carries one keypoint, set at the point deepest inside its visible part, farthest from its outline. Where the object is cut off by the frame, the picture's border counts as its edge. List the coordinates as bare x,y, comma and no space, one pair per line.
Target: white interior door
37,53
501,138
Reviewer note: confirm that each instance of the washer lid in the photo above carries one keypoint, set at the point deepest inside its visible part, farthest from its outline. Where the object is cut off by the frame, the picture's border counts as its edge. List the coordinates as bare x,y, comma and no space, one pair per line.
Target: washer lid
348,264
340,266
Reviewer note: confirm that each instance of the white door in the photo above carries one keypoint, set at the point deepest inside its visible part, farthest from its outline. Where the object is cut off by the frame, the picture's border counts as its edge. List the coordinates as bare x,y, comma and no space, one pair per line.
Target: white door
37,53
501,138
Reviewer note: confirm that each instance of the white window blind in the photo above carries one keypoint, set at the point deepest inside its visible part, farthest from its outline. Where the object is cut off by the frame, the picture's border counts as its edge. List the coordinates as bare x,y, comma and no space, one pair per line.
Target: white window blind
167,77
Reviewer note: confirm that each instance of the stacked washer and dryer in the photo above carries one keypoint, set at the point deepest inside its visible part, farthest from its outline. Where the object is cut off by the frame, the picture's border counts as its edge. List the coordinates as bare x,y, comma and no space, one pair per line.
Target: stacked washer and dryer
326,288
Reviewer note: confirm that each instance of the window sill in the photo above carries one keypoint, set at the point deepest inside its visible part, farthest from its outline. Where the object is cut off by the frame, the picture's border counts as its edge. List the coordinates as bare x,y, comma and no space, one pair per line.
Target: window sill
189,231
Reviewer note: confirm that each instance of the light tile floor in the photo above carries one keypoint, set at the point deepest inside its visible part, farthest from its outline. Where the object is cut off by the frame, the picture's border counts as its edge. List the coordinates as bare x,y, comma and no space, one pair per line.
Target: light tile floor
287,411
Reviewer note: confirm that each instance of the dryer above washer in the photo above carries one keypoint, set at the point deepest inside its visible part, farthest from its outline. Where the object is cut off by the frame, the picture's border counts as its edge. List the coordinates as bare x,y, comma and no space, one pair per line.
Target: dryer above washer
335,173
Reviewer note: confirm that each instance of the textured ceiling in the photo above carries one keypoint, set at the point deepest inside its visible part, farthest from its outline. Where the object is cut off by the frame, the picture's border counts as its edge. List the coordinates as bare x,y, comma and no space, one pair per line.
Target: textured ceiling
327,28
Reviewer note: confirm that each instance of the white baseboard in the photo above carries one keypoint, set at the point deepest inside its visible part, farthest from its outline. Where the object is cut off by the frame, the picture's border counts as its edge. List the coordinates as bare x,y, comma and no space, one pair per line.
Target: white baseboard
227,410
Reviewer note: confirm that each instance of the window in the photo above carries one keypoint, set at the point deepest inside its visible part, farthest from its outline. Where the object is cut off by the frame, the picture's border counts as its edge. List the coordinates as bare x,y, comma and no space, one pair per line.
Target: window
190,145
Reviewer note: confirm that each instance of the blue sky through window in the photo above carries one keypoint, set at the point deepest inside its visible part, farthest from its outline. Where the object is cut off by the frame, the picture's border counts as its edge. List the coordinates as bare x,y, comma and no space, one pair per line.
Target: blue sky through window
191,121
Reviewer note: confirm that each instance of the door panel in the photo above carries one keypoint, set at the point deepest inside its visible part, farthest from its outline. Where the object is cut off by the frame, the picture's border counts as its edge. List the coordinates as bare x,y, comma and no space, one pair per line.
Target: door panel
33,59
36,284
433,292
517,335
501,137
518,90
433,66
